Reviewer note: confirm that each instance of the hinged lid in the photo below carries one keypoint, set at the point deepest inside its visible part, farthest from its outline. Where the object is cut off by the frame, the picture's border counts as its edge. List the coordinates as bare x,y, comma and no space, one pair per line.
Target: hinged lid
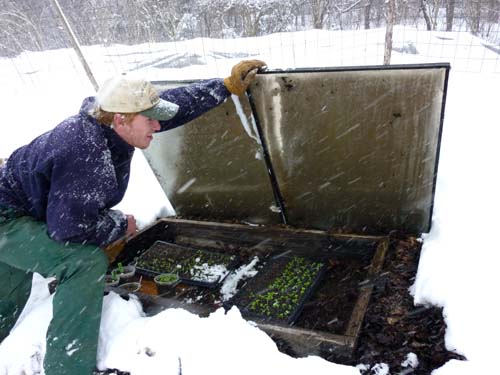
353,148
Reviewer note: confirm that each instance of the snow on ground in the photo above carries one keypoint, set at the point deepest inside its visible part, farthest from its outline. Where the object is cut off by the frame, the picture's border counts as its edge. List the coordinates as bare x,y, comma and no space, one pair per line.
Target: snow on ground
459,257
177,339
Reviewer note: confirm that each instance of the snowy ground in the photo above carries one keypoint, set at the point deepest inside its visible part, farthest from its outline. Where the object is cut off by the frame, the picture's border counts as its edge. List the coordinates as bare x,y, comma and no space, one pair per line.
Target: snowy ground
460,255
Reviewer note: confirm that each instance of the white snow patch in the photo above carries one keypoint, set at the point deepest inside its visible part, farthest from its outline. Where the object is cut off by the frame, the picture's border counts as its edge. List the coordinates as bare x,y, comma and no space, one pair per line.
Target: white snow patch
229,286
410,361
208,273
380,369
251,132
22,352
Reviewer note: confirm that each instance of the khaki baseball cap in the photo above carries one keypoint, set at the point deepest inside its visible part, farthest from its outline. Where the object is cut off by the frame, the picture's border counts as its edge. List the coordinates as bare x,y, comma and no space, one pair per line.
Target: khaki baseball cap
123,95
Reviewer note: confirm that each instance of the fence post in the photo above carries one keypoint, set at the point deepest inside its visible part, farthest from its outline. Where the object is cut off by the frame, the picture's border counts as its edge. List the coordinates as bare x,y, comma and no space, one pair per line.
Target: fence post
76,45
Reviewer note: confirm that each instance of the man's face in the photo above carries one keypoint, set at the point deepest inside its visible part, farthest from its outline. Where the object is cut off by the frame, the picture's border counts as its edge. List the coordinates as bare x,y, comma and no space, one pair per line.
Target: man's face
138,132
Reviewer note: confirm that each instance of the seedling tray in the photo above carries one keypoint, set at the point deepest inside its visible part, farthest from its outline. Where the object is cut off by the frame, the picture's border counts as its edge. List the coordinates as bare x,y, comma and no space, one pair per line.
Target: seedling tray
194,266
279,291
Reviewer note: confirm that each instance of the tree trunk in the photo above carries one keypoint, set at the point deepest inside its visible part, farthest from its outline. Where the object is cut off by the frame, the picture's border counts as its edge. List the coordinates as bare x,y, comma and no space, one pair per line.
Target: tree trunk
477,17
389,17
450,13
426,15
368,8
319,10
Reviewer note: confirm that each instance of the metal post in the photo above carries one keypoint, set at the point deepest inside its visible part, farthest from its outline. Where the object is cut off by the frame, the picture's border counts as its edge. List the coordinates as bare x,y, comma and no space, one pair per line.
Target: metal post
76,45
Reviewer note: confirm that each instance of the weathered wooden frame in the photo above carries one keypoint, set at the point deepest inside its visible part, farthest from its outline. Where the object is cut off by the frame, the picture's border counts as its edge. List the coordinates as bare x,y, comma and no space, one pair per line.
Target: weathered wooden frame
215,235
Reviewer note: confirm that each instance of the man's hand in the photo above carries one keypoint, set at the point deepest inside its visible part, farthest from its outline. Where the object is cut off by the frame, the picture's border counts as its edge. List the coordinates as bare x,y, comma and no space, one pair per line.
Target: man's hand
114,249
242,74
131,225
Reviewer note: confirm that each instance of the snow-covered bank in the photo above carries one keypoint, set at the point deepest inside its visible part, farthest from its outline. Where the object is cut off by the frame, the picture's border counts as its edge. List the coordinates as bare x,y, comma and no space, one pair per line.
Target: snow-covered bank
459,261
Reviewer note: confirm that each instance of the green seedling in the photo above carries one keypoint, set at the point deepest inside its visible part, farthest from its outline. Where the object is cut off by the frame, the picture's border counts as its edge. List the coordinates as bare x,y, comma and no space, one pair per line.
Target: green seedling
282,296
120,268
167,278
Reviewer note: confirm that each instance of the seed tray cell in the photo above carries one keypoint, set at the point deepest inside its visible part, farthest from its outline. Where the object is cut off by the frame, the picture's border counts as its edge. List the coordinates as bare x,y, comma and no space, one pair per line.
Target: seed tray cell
279,291
194,266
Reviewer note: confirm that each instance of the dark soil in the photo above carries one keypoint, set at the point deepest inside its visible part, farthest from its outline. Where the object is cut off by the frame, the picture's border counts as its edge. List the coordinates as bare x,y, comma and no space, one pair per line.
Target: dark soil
330,308
393,326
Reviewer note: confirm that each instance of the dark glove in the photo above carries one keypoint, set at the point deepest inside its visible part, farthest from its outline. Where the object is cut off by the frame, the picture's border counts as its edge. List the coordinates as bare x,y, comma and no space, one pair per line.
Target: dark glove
242,74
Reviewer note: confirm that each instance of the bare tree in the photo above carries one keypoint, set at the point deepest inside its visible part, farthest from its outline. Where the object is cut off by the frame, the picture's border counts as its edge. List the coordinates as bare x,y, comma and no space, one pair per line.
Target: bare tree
435,7
341,11
298,11
368,8
19,32
167,15
211,13
279,17
319,11
379,14
250,14
430,10
450,14
425,13
473,15
257,17
492,17
390,15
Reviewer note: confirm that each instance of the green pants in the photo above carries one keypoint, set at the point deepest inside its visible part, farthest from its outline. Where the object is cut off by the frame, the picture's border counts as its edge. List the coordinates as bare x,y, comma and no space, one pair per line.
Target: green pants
73,332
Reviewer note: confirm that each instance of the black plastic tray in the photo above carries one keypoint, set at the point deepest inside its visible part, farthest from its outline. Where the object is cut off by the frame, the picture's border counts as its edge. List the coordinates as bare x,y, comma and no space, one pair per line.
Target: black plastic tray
176,258
264,279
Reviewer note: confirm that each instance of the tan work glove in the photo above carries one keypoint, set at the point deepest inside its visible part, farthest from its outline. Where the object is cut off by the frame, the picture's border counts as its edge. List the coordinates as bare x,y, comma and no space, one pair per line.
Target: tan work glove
242,74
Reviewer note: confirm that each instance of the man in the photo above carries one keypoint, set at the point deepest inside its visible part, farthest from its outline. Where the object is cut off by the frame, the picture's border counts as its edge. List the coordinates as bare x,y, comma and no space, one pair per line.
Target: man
56,195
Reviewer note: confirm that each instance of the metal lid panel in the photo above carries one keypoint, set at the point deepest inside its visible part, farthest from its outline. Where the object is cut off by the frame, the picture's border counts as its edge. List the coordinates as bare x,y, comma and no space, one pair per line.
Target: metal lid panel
212,169
354,149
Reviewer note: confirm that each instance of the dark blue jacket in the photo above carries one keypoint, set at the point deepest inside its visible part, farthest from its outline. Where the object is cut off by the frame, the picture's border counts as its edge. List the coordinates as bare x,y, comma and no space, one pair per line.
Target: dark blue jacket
71,176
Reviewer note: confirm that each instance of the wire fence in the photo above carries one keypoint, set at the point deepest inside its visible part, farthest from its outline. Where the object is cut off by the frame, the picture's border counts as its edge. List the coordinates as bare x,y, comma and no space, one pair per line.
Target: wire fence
160,38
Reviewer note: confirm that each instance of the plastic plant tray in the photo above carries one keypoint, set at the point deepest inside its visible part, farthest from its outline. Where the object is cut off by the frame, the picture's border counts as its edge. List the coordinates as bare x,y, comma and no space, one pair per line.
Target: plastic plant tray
279,291
195,267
